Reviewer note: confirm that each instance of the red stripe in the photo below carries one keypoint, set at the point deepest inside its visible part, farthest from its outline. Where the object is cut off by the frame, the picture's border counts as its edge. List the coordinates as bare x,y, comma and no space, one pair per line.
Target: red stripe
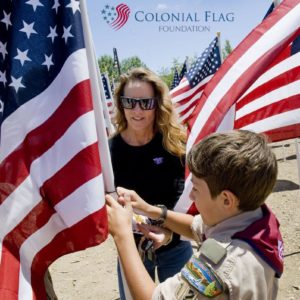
277,108
275,83
237,89
75,238
15,168
284,133
86,163
9,266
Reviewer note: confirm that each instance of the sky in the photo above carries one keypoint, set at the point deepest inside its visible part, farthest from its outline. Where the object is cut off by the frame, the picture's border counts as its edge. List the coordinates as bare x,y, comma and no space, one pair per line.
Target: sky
151,34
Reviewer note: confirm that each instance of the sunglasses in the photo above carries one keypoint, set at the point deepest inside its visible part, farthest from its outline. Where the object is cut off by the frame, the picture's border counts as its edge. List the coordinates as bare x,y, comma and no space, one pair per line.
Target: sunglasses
145,103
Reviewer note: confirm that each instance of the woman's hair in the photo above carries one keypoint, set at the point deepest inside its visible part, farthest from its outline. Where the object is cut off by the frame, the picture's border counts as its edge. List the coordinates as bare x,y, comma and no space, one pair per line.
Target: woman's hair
166,121
239,161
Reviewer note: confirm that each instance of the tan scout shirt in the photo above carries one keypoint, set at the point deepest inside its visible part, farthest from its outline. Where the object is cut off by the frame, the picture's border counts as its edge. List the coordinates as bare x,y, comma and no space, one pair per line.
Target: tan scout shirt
241,271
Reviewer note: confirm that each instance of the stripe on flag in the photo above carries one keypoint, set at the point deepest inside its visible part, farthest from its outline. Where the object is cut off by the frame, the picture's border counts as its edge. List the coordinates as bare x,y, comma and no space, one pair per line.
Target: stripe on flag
51,181
239,71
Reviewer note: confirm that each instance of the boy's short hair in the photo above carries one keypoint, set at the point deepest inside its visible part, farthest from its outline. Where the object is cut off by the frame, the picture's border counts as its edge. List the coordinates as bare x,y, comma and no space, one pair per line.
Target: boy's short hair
239,161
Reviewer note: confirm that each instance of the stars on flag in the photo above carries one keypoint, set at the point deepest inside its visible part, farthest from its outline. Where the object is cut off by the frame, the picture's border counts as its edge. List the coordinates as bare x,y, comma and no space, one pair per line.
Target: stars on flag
22,56
6,20
53,34
56,5
28,29
30,54
1,107
34,3
74,4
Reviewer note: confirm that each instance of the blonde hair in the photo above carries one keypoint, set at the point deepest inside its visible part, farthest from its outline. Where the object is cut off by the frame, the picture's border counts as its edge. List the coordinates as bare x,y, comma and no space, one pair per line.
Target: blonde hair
166,120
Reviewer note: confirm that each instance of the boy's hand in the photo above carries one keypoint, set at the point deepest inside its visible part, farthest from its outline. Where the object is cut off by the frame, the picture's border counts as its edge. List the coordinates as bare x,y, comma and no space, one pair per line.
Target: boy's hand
139,205
159,235
119,217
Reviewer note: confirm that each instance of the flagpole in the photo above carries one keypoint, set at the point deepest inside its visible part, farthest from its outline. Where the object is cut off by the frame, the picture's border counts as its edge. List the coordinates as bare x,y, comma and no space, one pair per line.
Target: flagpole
228,121
102,142
98,109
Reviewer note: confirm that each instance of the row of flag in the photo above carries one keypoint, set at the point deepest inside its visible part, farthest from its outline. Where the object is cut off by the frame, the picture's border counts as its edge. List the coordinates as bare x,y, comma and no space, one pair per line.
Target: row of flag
53,152
256,88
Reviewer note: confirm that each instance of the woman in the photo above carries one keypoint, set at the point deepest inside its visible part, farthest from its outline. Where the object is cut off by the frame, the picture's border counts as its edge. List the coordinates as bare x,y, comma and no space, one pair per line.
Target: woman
147,153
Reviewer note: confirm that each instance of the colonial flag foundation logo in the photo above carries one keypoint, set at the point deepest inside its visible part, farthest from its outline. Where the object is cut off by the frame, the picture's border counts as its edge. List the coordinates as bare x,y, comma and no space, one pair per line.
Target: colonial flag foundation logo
117,16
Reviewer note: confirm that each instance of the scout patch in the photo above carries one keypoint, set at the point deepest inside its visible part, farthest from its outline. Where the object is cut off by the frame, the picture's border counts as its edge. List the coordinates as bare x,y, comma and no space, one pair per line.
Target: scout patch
202,278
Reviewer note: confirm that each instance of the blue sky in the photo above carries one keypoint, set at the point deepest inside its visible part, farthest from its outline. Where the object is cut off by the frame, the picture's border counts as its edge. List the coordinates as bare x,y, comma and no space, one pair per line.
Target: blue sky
156,43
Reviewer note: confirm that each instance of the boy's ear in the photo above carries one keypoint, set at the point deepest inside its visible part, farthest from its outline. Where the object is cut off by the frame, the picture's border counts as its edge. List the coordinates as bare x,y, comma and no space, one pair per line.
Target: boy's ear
230,200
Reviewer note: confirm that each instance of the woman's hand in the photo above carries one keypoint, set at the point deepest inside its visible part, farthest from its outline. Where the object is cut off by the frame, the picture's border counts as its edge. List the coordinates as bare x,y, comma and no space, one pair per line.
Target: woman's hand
160,236
119,216
139,205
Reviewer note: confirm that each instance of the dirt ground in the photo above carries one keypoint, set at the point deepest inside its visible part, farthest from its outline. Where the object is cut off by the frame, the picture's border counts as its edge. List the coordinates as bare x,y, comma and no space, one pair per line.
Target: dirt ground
91,274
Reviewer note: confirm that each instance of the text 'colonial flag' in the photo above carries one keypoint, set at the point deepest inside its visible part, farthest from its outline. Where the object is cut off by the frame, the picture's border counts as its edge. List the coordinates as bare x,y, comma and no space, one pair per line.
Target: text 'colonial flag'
51,183
187,94
250,59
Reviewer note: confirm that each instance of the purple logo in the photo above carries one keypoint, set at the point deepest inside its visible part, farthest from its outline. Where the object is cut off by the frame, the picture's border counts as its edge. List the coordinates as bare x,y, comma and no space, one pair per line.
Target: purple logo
117,16
158,160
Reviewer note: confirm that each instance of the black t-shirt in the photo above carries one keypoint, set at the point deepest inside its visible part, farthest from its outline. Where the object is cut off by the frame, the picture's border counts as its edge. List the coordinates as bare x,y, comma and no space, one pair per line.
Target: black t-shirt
155,174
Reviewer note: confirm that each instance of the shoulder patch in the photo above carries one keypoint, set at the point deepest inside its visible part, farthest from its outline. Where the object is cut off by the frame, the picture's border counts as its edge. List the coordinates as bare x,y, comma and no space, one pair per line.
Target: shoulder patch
200,276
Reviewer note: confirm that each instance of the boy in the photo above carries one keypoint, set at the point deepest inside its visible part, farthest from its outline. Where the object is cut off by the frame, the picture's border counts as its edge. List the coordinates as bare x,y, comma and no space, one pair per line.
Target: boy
241,246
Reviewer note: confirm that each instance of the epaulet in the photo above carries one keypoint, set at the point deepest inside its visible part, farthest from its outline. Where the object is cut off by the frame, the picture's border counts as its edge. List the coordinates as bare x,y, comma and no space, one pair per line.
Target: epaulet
200,275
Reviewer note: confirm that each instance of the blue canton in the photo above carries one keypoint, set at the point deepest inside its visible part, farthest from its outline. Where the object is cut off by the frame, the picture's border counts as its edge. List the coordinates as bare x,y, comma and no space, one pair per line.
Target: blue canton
206,65
36,38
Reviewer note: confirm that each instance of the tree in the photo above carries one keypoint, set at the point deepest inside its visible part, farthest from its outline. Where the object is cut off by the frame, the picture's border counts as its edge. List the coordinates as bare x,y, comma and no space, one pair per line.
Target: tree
106,64
227,49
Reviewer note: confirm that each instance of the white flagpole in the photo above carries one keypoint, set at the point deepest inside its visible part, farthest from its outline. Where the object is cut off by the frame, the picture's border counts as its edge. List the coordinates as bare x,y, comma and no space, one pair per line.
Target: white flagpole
102,137
228,121
100,125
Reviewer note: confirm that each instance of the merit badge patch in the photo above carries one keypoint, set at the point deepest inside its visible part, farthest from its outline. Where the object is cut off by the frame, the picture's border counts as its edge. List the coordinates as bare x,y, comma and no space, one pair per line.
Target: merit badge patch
202,278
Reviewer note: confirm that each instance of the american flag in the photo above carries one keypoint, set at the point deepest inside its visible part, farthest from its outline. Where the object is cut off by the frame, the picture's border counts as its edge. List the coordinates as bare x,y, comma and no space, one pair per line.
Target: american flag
187,94
108,93
272,104
176,80
51,183
183,70
238,72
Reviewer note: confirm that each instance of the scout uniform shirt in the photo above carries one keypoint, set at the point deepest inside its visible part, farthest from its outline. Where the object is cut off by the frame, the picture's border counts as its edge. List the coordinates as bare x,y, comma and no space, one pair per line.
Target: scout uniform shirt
225,268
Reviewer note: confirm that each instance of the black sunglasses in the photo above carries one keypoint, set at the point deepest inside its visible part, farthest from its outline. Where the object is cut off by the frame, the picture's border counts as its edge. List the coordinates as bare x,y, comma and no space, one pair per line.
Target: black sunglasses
145,103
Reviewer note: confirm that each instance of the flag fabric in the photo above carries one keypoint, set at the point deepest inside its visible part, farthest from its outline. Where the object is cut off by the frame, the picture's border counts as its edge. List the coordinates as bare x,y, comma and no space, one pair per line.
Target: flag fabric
183,70
272,104
108,93
187,94
238,72
51,183
176,80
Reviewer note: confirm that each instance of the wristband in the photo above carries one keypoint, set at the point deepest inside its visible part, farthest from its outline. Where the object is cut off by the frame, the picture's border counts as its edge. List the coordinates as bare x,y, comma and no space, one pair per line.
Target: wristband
161,219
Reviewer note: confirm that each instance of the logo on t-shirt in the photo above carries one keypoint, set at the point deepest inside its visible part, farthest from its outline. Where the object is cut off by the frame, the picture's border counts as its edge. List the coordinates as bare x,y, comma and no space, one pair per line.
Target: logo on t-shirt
158,160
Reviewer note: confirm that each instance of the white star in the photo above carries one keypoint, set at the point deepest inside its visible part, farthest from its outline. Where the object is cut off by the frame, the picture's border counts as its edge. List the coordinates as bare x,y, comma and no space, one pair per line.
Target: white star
3,77
3,50
67,33
74,5
56,5
28,29
6,19
34,4
48,61
1,106
52,33
16,83
22,56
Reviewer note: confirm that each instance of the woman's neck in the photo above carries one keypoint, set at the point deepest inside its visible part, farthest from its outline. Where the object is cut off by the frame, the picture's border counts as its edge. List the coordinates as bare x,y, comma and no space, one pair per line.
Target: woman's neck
137,138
